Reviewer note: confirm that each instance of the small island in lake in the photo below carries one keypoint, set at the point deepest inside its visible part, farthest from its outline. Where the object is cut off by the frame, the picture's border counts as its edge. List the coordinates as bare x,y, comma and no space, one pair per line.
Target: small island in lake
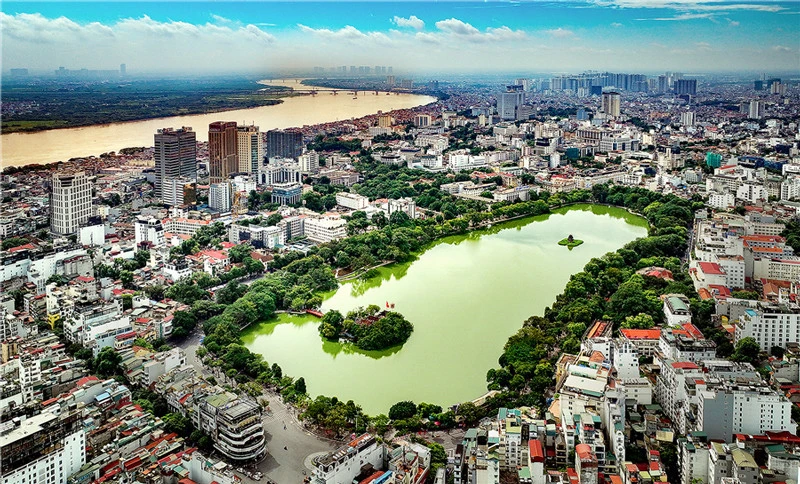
368,328
570,242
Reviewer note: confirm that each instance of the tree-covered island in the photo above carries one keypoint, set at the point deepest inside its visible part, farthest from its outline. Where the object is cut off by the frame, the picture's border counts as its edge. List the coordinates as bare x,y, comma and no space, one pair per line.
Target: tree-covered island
368,328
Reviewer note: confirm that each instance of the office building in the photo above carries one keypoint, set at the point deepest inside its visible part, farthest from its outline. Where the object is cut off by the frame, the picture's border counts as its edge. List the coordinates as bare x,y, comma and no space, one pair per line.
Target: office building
222,150
178,191
70,202
422,120
284,144
309,162
287,193
175,155
509,102
687,118
385,121
234,423
249,149
686,86
42,449
219,197
347,462
149,231
611,103
756,110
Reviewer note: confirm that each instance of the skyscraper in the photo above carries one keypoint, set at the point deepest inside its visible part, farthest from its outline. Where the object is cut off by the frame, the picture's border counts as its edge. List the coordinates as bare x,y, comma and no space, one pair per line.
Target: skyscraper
284,144
686,86
175,154
250,149
508,102
222,150
611,103
70,202
756,110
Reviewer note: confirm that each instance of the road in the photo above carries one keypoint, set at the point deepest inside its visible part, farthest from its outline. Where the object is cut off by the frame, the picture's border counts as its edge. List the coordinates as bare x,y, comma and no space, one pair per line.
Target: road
284,466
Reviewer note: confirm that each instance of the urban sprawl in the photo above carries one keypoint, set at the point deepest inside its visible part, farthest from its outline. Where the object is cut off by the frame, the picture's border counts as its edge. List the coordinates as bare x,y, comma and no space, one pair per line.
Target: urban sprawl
128,277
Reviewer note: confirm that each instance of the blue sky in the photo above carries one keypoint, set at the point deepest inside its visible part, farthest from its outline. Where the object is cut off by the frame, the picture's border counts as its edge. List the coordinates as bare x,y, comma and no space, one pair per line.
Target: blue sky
533,36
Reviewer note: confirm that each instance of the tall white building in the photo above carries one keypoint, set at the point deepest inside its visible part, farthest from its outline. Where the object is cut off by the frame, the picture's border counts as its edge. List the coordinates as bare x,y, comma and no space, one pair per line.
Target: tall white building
70,202
175,156
219,197
756,110
508,104
250,148
149,230
769,326
173,190
309,162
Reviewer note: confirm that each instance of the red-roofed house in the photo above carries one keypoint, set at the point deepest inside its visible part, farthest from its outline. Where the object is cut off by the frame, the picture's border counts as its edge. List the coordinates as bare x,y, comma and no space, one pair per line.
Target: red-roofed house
710,273
644,340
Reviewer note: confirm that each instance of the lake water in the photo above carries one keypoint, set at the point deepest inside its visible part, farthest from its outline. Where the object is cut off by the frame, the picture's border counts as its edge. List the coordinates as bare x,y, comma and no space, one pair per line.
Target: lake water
50,146
465,296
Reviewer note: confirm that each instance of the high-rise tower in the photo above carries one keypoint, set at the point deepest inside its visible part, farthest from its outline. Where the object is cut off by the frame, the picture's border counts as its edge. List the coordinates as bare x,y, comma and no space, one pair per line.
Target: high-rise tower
70,202
250,149
611,103
175,154
222,150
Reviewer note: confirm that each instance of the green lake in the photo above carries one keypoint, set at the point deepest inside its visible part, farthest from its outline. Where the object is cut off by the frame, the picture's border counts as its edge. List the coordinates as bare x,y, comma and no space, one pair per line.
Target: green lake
465,296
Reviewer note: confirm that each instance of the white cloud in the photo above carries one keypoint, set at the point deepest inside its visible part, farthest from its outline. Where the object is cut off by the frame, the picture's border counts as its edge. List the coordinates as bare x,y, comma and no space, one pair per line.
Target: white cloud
683,16
684,5
560,33
346,33
35,41
781,48
456,26
464,31
732,23
616,25
413,22
221,19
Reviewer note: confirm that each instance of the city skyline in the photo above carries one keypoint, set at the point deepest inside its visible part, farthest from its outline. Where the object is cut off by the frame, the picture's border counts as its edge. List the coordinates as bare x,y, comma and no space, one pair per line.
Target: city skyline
633,35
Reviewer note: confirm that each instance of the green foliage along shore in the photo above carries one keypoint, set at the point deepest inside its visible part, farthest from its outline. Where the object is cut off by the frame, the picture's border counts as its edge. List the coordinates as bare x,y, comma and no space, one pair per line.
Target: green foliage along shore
607,289
369,328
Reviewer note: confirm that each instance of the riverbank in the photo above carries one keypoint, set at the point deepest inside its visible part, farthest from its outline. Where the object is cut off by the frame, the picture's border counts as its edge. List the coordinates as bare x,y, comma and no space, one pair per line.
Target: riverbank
310,114
94,105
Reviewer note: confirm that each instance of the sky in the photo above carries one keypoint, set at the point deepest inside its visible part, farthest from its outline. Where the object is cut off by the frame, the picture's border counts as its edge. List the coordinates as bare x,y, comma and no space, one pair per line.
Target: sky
644,36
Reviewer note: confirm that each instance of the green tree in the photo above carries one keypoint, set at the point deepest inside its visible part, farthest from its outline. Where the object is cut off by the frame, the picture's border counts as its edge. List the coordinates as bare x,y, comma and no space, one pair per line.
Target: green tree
747,350
402,410
300,386
177,423
640,321
470,412
107,363
230,293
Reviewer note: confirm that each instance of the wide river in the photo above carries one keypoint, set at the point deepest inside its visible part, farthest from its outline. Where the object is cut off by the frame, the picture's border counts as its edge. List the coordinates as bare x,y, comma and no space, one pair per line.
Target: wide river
465,296
20,149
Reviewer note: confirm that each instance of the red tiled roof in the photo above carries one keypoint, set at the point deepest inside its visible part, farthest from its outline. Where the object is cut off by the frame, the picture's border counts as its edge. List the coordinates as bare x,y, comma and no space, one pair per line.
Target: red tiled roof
711,268
22,247
536,451
635,334
685,365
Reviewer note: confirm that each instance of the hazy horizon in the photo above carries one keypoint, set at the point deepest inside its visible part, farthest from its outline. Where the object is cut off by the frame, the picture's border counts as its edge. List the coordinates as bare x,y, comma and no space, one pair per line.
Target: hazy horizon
642,36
